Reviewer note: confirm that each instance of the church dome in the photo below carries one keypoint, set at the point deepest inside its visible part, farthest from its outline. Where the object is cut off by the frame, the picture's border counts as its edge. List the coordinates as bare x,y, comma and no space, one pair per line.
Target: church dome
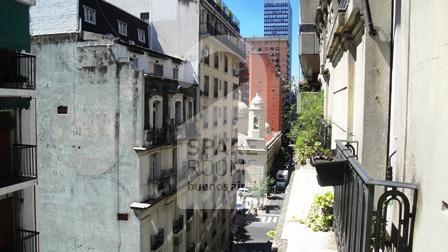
257,102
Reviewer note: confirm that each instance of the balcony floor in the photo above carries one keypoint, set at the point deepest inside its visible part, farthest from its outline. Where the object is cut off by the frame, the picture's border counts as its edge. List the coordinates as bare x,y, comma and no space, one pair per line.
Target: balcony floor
301,191
15,183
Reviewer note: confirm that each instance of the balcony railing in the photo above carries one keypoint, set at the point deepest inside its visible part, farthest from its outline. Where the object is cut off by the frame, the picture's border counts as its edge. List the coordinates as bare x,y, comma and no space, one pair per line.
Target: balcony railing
17,70
26,241
163,184
157,239
237,46
24,167
325,133
362,220
163,136
225,12
178,224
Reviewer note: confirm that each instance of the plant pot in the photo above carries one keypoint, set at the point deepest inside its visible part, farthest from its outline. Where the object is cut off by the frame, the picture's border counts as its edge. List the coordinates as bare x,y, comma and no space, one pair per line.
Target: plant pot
329,173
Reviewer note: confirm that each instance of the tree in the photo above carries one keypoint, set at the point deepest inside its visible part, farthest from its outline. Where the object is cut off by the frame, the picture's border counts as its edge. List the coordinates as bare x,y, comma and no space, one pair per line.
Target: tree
259,191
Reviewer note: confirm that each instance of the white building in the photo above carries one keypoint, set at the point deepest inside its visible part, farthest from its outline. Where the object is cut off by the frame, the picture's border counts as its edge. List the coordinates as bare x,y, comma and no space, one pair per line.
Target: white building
257,144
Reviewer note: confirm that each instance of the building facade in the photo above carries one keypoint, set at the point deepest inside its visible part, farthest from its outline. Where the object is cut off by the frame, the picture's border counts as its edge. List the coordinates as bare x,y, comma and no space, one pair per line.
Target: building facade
258,144
18,157
278,23
278,50
266,82
374,57
118,116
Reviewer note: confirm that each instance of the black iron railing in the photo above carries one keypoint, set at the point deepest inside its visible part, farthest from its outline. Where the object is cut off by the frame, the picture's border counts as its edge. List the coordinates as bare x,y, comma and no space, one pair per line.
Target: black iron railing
157,239
163,136
232,42
325,133
362,221
17,70
178,224
24,160
25,241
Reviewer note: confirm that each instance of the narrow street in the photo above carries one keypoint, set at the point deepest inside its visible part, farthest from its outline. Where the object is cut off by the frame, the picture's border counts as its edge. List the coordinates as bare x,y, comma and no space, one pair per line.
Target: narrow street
252,230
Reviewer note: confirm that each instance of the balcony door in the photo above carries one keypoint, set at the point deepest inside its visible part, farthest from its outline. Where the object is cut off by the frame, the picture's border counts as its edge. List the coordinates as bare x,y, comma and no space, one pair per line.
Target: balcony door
6,224
5,144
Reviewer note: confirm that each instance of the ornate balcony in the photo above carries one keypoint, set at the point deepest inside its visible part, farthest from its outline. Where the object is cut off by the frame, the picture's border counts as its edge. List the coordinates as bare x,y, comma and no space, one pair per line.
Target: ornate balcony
362,217
159,137
163,184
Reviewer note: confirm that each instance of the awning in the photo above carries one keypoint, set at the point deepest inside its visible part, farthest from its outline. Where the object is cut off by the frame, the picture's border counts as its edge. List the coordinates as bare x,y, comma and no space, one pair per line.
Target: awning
8,103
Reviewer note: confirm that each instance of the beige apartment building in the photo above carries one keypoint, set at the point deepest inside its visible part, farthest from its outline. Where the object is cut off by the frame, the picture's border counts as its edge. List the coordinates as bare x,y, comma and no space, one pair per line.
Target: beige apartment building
381,66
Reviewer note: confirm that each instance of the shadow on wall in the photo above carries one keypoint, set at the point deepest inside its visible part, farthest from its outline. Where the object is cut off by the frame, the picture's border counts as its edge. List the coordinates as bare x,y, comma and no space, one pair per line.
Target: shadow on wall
186,2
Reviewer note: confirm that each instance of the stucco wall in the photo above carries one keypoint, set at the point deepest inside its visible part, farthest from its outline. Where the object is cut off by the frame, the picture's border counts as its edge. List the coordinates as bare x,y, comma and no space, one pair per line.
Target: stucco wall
420,117
87,167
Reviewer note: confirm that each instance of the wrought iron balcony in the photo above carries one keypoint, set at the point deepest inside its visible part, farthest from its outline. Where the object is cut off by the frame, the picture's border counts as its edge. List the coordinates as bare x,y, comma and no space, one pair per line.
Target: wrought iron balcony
157,240
232,42
362,220
225,12
17,70
163,184
23,166
158,137
178,224
187,130
25,241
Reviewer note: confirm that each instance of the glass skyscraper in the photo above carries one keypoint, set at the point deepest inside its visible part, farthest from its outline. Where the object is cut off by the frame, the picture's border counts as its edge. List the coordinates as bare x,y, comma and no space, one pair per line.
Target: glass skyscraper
278,22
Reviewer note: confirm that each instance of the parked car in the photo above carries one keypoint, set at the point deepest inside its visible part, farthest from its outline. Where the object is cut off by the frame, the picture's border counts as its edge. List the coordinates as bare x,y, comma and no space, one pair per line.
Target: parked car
282,179
239,208
244,192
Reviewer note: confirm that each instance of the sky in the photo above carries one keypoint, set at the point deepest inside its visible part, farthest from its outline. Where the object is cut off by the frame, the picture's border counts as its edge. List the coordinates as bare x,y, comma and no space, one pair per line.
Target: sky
251,16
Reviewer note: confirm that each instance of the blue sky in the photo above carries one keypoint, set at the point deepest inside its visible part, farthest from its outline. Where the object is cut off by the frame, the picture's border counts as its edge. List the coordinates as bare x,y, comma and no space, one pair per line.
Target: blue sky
250,13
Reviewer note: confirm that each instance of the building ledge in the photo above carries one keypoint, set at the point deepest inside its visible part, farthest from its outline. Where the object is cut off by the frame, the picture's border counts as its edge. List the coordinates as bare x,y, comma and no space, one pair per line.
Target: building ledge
9,185
139,206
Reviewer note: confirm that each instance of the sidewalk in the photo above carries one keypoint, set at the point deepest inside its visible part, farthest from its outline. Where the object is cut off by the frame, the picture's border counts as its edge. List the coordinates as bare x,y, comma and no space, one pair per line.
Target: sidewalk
294,236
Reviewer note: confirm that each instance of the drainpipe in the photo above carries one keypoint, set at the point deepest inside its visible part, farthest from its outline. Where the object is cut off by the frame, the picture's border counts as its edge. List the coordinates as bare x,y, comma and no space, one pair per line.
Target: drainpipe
389,174
372,30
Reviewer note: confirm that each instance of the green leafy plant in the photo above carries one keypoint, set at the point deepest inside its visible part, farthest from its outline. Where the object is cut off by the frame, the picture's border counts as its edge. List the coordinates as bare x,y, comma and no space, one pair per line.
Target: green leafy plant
260,190
271,234
305,129
320,217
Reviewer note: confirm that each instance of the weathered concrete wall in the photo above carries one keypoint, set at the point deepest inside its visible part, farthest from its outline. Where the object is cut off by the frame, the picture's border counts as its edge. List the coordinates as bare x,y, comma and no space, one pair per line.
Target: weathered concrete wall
87,167
420,116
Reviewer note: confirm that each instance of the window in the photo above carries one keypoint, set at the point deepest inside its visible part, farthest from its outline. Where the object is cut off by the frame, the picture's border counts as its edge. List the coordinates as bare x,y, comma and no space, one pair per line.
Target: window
206,86
225,115
175,73
215,88
205,119
226,64
89,15
141,35
144,16
226,88
158,69
122,28
216,60
215,117
235,91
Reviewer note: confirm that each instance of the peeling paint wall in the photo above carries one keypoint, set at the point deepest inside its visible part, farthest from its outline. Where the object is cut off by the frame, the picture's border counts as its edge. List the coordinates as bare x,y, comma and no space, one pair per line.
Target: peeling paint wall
88,171
54,16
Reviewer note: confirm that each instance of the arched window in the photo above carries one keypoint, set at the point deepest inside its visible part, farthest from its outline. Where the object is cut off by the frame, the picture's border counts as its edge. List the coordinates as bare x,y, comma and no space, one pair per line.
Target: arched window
156,112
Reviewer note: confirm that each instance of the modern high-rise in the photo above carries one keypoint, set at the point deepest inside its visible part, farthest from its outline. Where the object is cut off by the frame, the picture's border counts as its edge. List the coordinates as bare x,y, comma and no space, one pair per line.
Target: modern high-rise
278,22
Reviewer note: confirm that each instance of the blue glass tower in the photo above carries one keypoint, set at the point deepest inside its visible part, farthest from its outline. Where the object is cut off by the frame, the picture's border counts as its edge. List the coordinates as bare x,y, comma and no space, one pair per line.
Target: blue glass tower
278,21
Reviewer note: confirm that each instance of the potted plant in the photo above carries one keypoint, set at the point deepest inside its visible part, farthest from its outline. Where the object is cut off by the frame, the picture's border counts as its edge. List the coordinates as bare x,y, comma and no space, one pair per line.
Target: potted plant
330,172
